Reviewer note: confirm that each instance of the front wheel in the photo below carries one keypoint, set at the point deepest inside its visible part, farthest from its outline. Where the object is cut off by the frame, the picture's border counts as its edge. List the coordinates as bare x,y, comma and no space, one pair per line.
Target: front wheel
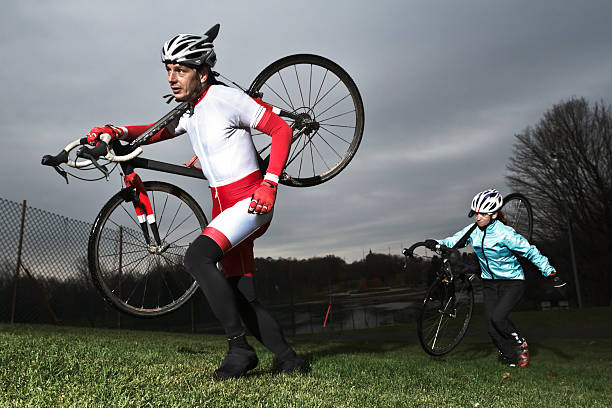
322,105
446,313
136,275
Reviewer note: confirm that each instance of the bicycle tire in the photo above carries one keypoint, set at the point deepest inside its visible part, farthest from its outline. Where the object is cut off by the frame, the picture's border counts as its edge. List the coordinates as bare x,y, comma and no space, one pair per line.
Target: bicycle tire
134,280
334,136
439,329
519,215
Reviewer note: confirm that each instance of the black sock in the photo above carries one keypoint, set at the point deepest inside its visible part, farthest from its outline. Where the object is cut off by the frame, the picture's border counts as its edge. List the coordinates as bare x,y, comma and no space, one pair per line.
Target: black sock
258,320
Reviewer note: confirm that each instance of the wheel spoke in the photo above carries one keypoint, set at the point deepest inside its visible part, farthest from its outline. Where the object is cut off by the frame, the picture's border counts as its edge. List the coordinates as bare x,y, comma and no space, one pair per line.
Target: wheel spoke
325,111
186,234
321,156
179,225
138,244
286,91
312,157
326,93
320,88
297,78
310,85
337,116
130,216
122,252
287,104
334,134
330,146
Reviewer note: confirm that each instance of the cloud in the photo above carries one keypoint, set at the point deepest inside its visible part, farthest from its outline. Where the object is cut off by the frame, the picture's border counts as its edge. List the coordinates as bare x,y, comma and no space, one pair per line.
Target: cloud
446,86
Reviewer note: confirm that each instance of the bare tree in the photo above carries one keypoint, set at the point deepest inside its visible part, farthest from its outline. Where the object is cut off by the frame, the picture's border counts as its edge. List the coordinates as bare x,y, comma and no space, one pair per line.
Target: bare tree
564,165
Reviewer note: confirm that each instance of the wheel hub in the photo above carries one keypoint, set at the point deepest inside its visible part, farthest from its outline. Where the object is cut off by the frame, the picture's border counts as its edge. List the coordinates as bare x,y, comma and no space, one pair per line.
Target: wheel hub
306,120
158,249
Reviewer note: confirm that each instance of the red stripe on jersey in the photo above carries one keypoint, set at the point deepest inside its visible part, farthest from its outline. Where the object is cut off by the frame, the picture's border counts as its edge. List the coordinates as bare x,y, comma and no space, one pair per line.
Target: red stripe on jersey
137,130
218,237
281,133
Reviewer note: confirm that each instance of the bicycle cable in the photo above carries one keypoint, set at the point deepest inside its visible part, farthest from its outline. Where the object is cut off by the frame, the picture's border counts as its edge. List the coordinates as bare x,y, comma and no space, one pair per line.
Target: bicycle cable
92,168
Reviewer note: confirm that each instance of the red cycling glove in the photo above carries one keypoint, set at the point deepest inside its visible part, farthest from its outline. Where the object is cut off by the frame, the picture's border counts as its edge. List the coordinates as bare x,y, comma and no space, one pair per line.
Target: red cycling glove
263,198
96,131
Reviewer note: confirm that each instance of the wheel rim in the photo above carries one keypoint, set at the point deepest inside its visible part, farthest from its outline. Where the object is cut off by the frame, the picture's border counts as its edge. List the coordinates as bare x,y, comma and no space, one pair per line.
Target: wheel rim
329,111
140,279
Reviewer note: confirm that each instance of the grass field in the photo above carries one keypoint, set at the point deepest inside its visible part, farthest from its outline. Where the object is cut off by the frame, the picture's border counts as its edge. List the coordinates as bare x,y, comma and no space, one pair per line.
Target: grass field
50,366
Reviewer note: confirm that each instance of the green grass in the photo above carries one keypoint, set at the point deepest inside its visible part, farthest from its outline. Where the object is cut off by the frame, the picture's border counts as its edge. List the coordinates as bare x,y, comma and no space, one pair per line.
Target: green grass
49,366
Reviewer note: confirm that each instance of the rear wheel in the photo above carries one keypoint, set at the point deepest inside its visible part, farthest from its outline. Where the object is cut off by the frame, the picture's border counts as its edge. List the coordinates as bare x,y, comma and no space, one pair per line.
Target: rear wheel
134,276
518,214
324,109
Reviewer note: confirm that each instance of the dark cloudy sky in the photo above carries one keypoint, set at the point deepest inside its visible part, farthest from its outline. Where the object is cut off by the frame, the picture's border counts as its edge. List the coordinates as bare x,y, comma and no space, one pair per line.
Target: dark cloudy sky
446,86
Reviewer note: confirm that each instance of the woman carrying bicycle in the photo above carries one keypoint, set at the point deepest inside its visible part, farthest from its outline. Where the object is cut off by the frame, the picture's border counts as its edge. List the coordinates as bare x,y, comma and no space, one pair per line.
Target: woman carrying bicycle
496,246
218,125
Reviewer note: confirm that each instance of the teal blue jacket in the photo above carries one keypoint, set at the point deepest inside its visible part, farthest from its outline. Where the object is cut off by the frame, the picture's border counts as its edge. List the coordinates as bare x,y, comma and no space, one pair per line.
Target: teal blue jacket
497,247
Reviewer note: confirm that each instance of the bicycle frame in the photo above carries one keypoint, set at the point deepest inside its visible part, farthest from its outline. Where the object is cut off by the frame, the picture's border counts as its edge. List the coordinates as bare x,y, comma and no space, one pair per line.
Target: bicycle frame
135,191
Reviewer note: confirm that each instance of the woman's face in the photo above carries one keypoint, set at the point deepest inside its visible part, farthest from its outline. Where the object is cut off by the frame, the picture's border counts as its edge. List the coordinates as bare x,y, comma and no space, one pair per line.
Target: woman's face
483,219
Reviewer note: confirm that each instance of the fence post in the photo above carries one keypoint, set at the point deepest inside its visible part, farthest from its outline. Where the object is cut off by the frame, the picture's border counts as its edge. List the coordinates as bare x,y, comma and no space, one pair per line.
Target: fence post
573,256
18,263
192,309
41,294
291,300
120,271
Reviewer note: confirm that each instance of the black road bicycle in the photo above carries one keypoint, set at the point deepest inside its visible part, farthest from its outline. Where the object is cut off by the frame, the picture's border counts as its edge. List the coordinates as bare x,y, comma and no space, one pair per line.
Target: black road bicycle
139,238
447,308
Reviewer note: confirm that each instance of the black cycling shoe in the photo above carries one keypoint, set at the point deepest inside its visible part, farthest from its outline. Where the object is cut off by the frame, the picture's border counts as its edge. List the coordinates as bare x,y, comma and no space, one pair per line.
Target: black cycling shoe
507,361
297,365
239,359
290,363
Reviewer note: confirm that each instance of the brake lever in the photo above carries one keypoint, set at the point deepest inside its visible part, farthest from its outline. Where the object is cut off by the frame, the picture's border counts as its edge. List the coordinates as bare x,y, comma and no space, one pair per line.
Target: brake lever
407,254
61,172
93,155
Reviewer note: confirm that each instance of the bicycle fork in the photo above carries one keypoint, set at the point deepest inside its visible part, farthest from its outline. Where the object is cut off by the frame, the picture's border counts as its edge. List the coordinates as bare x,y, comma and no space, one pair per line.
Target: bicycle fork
144,211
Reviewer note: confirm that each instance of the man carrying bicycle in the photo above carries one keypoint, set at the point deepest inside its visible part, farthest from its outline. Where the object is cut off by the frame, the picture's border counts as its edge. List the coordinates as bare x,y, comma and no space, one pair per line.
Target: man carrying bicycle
496,246
218,124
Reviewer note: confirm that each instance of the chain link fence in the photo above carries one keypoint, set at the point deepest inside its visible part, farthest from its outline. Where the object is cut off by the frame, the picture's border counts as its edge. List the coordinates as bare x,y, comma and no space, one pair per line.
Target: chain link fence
44,278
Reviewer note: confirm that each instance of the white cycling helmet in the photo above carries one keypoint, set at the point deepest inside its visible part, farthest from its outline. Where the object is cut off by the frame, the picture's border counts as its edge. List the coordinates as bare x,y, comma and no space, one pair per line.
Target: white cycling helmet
190,49
488,202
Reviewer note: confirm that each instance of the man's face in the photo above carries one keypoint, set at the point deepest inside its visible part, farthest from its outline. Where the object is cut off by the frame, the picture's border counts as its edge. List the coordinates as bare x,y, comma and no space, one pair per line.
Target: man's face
184,81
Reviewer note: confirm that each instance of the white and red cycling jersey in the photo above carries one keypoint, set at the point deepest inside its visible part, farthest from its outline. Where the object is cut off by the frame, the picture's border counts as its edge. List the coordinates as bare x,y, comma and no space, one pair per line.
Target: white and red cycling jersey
219,129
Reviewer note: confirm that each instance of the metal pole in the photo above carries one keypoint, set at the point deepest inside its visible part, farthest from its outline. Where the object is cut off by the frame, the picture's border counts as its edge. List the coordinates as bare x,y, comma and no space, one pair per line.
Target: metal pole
18,264
291,300
192,309
41,294
120,271
573,256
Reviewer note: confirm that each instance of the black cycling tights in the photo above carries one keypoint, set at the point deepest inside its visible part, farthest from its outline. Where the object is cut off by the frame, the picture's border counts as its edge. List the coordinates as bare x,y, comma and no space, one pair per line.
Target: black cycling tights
232,299
500,297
